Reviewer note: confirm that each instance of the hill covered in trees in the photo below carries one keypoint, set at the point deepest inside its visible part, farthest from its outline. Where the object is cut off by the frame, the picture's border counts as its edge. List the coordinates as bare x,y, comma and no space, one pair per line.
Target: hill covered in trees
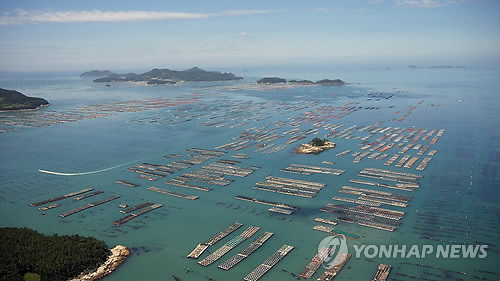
13,100
276,80
163,76
25,253
96,73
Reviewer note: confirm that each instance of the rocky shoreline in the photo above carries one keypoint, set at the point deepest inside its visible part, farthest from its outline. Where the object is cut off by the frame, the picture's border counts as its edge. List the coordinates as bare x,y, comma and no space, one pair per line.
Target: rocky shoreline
118,255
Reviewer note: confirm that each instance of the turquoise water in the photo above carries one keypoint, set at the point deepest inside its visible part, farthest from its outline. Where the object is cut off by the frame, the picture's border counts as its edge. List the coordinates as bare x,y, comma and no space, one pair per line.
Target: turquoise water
459,191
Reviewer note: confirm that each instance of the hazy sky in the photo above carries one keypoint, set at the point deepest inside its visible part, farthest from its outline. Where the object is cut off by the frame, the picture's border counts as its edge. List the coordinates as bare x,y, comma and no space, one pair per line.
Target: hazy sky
119,35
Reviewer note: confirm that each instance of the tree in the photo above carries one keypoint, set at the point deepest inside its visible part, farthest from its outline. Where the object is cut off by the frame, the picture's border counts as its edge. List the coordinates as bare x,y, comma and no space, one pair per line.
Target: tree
317,142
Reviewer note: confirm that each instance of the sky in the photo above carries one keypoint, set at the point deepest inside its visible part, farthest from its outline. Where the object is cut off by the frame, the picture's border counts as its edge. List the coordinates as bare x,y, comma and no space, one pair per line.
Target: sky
123,35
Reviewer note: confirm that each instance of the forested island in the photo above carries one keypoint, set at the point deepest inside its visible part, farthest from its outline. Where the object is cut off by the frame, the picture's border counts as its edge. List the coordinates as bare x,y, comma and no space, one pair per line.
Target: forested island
275,80
315,146
14,100
167,76
26,254
96,73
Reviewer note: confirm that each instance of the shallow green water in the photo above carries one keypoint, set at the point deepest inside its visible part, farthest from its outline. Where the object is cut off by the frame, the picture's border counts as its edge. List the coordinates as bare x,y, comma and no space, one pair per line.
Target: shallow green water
460,185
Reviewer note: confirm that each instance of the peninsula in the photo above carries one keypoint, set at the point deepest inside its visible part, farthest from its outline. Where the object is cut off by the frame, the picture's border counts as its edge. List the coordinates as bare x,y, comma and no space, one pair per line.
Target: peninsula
276,80
315,146
13,100
167,76
26,254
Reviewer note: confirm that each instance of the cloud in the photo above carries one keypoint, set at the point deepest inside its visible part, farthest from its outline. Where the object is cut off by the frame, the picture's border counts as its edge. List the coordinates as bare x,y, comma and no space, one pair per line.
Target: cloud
243,34
424,3
21,16
243,12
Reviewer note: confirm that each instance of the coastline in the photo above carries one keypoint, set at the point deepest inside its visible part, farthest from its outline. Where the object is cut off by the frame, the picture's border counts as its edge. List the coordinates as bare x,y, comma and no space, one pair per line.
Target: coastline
118,255
26,109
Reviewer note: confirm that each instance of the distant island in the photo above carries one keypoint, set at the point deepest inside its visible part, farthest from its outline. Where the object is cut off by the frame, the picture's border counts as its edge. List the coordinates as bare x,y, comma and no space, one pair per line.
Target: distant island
26,254
315,146
13,100
166,76
96,73
437,66
271,80
275,80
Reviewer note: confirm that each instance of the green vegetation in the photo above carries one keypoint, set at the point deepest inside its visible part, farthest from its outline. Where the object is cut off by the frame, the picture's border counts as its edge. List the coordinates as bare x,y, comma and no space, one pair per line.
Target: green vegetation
274,80
160,82
318,142
301,81
155,75
13,100
336,82
25,253
271,80
96,73
31,277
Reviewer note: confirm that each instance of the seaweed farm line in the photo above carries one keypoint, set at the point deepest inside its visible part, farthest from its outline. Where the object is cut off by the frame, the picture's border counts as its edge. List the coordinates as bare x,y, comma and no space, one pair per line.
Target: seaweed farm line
217,254
142,210
262,269
85,207
216,238
61,197
234,260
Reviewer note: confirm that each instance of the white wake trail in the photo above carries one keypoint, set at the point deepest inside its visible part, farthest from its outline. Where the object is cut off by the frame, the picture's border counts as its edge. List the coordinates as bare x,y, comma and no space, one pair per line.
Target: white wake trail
84,173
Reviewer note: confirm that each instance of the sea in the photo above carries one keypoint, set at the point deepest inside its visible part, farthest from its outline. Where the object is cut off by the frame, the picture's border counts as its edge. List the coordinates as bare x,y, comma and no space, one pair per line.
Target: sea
92,132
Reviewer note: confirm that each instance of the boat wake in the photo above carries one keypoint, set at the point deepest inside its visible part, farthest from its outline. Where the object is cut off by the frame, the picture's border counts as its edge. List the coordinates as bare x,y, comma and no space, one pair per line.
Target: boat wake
84,173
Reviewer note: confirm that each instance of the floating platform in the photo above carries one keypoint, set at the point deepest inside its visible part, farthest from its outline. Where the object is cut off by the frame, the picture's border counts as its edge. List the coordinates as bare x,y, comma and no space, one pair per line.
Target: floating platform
280,211
171,193
382,273
214,239
141,211
127,183
343,153
137,207
323,228
179,183
265,202
325,221
89,195
392,159
224,249
88,206
60,197
307,169
287,192
424,163
262,269
377,225
315,263
339,262
49,207
234,260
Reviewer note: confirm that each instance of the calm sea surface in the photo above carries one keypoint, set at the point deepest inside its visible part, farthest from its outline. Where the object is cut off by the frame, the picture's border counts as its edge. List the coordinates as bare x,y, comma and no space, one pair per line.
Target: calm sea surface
92,133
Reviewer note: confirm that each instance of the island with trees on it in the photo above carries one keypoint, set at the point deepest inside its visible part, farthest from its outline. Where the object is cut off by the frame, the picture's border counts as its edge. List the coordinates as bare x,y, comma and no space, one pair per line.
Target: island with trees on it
316,145
166,76
271,80
276,80
96,73
26,254
14,100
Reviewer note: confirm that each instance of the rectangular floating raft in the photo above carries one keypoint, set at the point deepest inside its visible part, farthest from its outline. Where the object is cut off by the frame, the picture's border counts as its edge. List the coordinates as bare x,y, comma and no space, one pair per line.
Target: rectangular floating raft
262,269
